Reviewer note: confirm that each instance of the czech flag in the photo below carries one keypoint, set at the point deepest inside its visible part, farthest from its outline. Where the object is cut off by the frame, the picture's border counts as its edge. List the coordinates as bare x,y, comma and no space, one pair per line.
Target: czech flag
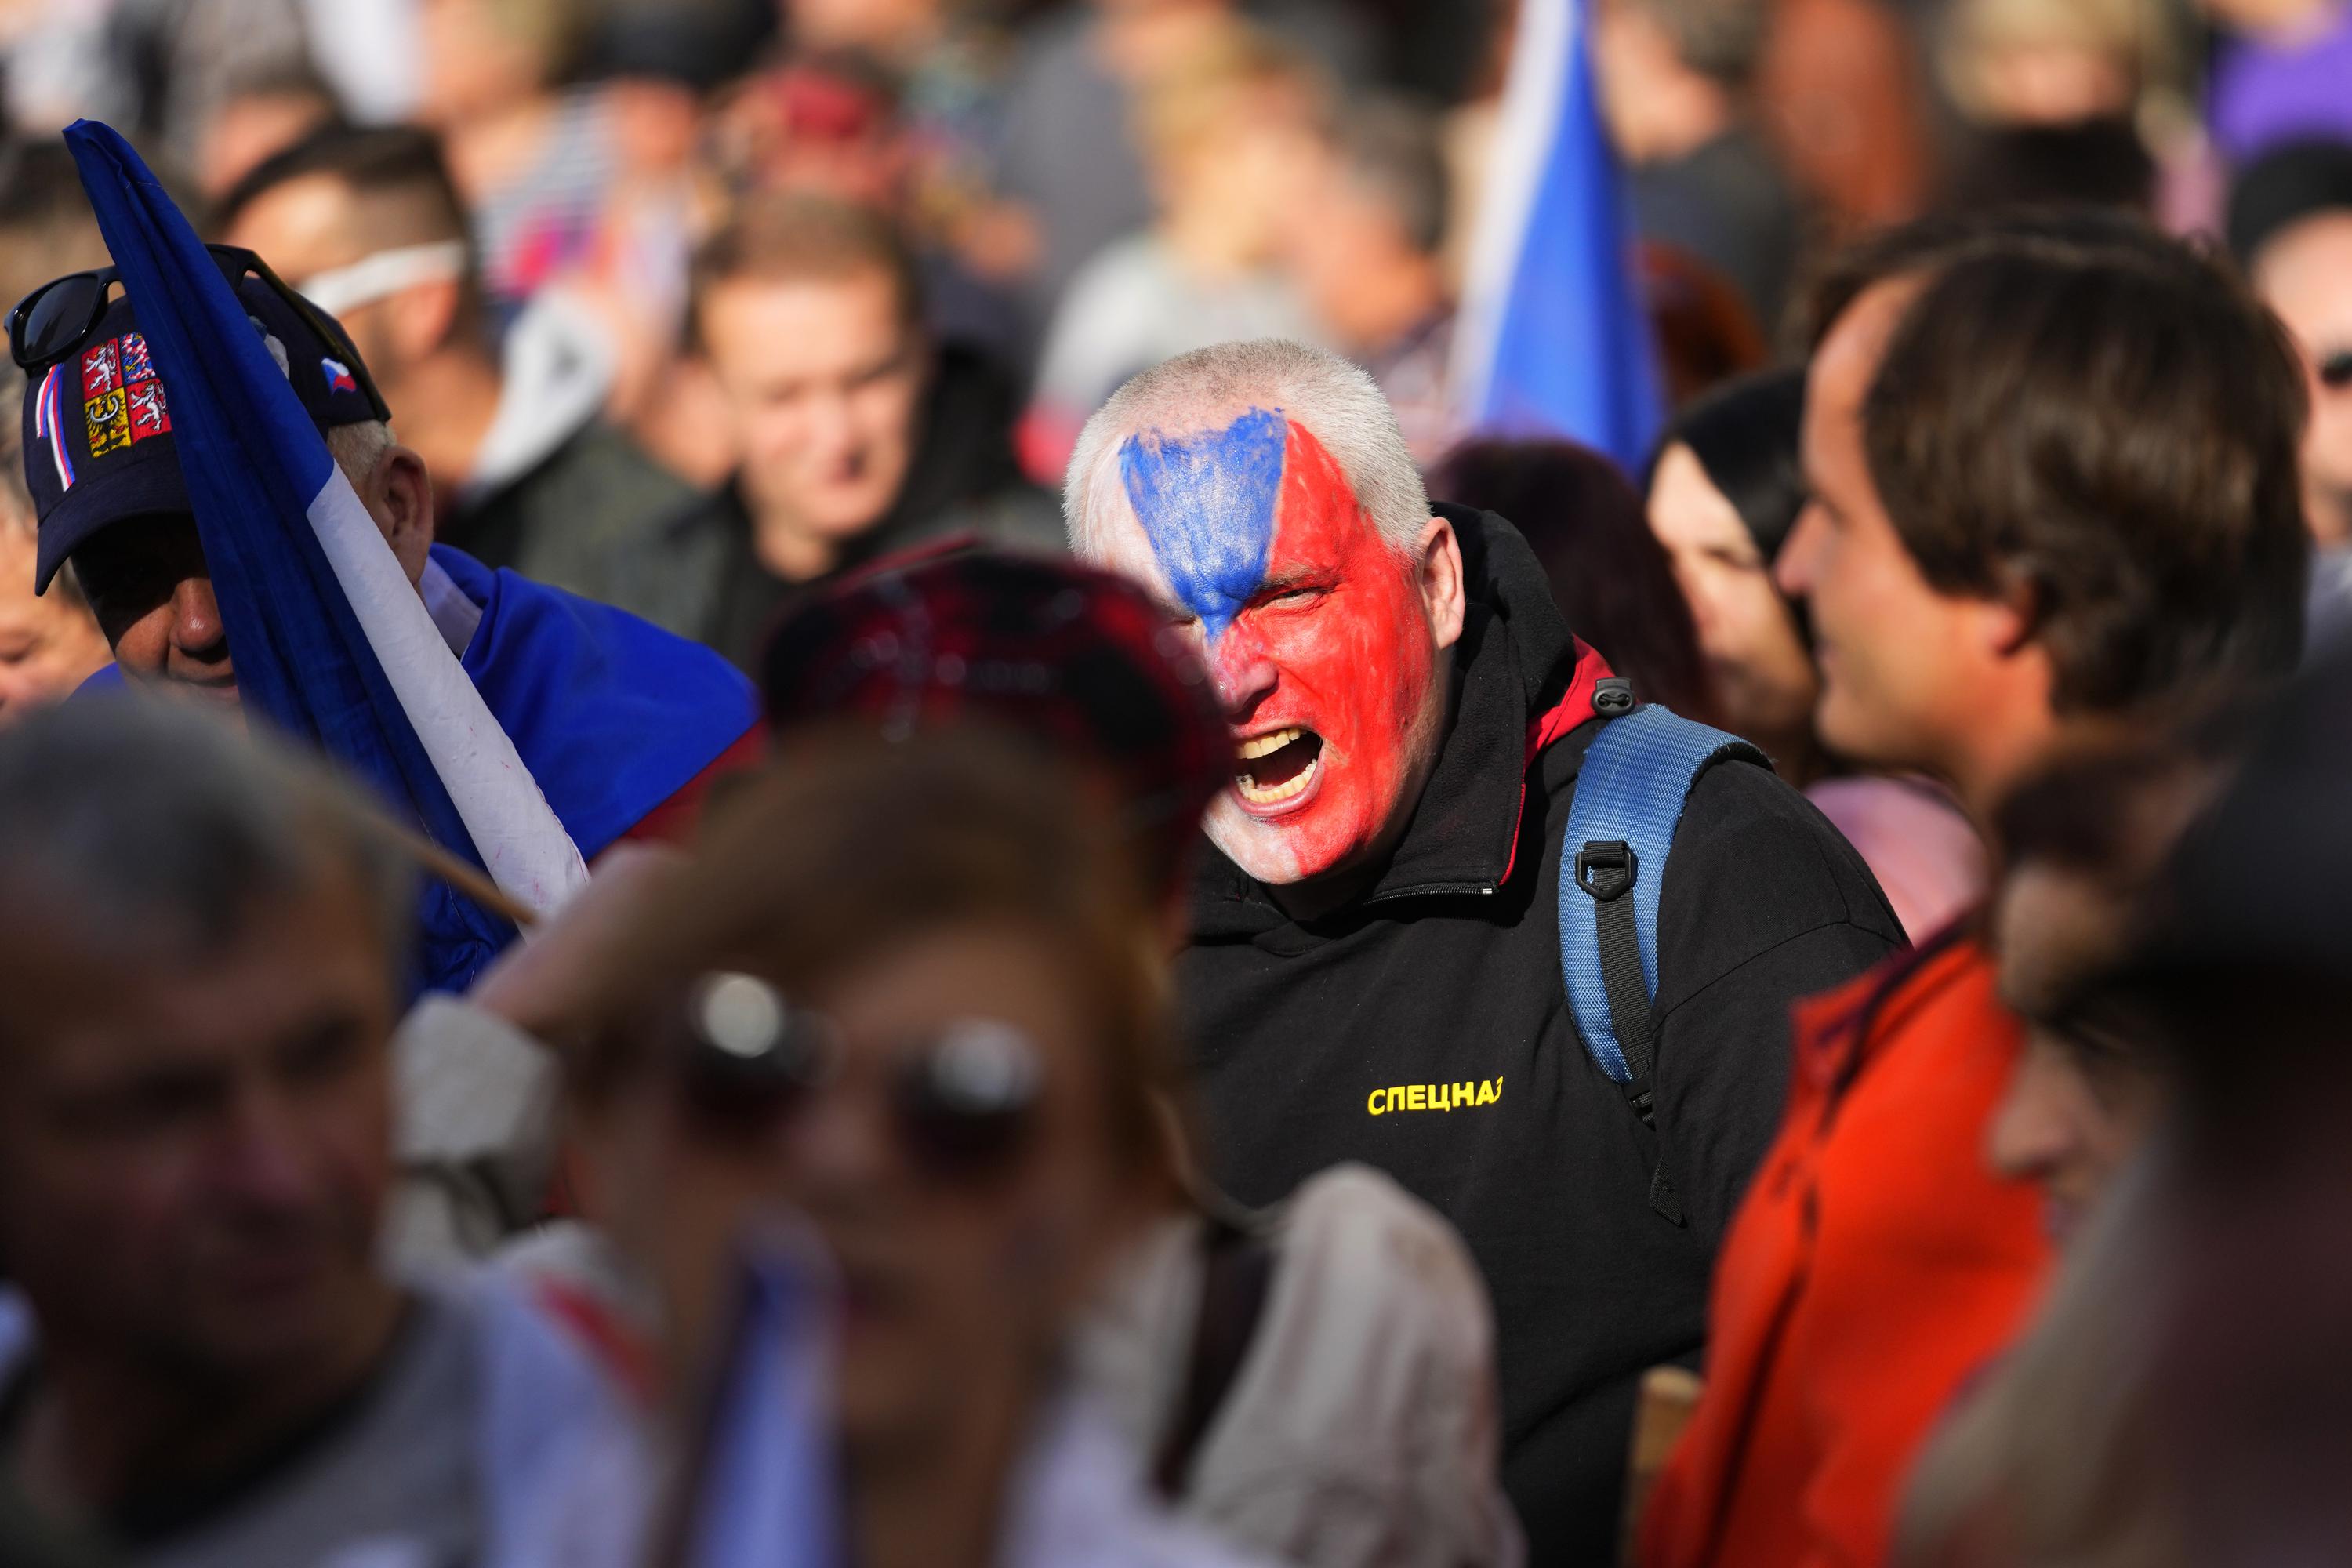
1553,337
332,641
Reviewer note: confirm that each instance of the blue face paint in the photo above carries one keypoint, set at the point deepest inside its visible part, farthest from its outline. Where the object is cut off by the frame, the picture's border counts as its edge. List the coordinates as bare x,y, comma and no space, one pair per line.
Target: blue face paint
1207,504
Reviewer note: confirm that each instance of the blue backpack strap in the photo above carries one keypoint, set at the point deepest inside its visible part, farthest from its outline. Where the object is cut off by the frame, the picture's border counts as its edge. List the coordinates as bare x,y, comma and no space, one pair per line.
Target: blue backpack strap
1636,776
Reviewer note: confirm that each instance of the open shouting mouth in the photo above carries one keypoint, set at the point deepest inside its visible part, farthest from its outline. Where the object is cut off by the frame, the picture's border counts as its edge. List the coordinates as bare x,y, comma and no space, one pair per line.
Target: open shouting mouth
1275,770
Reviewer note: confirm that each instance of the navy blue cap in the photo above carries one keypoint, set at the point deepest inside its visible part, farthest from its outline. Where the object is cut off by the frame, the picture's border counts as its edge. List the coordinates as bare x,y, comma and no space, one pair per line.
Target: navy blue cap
98,430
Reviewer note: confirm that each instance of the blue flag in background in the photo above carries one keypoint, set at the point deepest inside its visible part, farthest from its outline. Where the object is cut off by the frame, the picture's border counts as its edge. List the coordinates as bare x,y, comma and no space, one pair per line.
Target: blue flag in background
1553,336
329,637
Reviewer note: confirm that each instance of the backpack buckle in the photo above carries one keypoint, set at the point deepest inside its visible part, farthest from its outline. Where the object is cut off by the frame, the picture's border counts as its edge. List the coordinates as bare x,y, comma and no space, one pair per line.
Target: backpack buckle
1604,867
1611,695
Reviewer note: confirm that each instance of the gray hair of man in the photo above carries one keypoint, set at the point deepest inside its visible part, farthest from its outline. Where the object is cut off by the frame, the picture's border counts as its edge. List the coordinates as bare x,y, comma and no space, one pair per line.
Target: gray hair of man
357,448
1209,387
148,826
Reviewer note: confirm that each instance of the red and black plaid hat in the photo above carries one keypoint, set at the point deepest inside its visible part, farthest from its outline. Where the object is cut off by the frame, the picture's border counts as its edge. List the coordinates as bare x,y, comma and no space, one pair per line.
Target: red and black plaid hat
1079,658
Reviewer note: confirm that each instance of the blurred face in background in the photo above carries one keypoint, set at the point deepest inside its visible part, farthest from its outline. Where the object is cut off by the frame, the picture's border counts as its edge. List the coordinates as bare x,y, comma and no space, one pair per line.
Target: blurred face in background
1762,676
314,225
964,1246
823,379
1232,161
2305,273
48,644
2045,62
880,27
2084,1093
483,56
196,1140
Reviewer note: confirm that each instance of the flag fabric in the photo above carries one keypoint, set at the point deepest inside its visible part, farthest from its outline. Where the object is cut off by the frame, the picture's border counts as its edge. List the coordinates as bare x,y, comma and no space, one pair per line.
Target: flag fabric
1553,337
330,641
767,1488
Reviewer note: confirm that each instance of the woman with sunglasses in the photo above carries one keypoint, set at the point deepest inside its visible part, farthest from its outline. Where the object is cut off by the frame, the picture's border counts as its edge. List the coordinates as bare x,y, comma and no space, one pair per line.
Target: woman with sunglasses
911,995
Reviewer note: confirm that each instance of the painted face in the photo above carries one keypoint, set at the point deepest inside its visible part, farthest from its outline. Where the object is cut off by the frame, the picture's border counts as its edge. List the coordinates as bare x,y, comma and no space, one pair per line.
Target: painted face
1313,627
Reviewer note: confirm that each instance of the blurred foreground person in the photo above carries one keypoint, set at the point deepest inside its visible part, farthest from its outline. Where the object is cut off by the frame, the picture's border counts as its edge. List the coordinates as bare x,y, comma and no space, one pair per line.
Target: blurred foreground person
370,228
2086,844
1726,488
2044,1462
1979,589
908,993
201,946
1607,574
860,436
1375,969
2250,1391
50,643
1315,1380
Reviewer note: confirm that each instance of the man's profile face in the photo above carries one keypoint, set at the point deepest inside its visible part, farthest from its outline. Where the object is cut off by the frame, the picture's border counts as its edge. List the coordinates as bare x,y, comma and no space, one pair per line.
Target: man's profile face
150,589
153,593
1895,655
1318,633
48,644
823,379
2304,274
196,1139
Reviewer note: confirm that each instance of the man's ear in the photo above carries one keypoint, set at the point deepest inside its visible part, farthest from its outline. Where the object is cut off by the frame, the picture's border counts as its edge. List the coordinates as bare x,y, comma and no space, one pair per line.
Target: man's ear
2011,617
1443,592
399,496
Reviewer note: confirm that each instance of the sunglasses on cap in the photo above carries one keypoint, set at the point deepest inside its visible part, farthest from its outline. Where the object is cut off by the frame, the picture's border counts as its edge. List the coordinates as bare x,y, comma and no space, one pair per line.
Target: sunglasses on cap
963,1100
2336,370
62,316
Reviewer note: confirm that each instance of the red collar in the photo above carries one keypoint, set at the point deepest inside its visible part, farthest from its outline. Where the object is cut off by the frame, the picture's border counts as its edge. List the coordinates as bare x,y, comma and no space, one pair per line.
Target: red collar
1573,708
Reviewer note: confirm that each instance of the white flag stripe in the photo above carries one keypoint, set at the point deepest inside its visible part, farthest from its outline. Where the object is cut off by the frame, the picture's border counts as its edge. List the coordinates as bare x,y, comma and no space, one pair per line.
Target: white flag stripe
1535,93
523,843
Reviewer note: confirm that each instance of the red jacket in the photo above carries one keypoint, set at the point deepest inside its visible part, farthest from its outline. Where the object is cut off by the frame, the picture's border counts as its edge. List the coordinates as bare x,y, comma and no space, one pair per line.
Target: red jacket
1875,1263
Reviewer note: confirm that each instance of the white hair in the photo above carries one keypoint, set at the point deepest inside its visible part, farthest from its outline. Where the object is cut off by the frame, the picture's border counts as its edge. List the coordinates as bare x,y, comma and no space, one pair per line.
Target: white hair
1209,387
357,448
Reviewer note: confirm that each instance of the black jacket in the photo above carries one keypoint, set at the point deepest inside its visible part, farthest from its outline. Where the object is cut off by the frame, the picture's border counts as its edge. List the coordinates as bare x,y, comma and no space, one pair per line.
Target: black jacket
563,518
698,574
1448,971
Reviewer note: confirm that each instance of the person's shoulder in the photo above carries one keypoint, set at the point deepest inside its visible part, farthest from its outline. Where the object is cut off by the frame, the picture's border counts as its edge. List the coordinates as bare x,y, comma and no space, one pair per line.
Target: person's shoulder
619,471
1753,855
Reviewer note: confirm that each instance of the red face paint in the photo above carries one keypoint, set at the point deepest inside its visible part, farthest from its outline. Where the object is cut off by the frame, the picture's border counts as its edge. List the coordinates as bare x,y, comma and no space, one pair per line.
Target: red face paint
1336,643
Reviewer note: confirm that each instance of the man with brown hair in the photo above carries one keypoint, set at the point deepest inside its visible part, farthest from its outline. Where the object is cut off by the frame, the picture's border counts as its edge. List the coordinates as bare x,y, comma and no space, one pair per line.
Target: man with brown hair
2055,488
859,434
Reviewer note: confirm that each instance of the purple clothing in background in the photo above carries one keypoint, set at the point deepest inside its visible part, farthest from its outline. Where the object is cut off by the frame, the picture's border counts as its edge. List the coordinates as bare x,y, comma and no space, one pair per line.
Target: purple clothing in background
2277,89
1926,855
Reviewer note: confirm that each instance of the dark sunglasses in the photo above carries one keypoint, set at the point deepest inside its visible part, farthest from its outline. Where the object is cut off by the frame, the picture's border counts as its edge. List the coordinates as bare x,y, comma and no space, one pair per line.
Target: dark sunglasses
61,316
963,1103
2336,370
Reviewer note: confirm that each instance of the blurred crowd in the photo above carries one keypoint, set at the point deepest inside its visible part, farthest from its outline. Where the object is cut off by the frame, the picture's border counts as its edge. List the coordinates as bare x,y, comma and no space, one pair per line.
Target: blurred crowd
1071,740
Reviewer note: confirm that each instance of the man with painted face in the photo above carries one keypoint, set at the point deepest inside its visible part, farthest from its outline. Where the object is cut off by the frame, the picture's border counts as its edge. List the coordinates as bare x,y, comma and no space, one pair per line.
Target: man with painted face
1374,968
